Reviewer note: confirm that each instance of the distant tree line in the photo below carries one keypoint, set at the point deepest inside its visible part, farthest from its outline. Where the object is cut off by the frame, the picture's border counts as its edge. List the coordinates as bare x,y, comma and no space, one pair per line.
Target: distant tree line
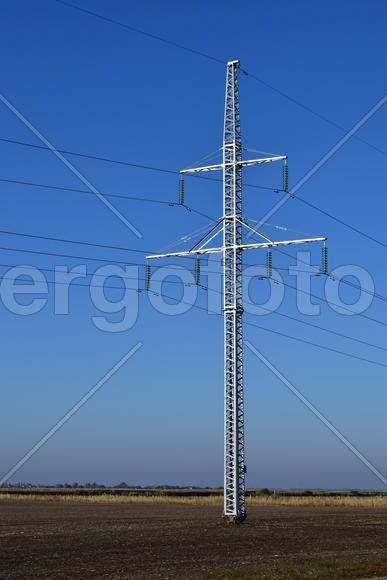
95,485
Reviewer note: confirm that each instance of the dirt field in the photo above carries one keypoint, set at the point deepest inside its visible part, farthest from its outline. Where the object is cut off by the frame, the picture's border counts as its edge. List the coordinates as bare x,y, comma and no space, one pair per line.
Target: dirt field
121,540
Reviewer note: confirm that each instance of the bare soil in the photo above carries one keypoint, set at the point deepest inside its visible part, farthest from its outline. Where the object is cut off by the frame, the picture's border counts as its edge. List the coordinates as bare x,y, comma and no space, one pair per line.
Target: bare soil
57,540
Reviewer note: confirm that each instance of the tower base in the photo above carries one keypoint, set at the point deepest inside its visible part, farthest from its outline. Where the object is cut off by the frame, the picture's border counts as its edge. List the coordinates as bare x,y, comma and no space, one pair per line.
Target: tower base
235,520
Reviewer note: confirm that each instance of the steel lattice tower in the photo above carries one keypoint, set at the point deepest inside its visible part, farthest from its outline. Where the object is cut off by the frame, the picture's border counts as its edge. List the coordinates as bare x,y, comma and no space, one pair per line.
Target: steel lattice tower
234,452
231,225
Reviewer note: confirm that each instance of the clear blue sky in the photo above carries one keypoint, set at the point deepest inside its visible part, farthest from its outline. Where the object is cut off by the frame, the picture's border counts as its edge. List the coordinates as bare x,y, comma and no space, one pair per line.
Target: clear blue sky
93,87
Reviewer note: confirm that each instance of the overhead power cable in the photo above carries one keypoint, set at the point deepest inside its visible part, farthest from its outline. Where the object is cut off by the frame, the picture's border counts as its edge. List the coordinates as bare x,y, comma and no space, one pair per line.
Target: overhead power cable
194,175
116,195
316,345
277,227
316,269
121,248
317,326
310,110
148,34
317,272
340,221
42,253
83,243
50,238
334,304
78,242
330,215
126,249
87,191
88,156
127,163
304,322
220,61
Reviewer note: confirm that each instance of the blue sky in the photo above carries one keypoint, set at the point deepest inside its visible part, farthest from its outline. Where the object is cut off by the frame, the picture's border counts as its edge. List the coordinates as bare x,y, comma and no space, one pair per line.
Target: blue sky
93,87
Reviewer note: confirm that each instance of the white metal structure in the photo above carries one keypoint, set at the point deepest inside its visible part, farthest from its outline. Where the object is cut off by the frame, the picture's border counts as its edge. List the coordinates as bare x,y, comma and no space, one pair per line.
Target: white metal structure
231,225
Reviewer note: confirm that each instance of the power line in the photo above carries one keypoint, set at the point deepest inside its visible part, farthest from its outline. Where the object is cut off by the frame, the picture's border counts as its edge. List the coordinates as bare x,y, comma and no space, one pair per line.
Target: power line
130,249
77,242
334,304
170,171
116,195
249,74
310,110
88,156
319,327
291,337
317,271
126,249
333,350
127,163
340,221
331,216
147,251
148,34
86,191
219,61
77,257
315,344
176,172
332,276
42,253
329,274
61,240
93,244
87,275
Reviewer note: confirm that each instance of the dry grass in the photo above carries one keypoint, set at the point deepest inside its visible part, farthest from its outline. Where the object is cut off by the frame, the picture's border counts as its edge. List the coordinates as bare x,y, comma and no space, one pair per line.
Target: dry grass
261,500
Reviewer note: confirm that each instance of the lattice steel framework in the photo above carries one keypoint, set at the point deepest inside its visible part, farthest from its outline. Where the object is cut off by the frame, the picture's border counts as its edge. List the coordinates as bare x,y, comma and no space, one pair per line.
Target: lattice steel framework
231,225
234,448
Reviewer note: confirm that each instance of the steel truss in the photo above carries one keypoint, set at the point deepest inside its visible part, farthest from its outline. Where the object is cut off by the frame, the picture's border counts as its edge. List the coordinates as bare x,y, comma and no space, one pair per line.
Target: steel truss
232,222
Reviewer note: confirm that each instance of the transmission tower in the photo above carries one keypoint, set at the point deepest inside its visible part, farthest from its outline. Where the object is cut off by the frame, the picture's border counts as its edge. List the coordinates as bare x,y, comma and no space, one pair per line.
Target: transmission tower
231,225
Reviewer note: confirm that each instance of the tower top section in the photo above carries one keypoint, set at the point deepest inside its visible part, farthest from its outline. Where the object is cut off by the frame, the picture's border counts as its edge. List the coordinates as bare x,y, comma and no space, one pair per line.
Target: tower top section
236,62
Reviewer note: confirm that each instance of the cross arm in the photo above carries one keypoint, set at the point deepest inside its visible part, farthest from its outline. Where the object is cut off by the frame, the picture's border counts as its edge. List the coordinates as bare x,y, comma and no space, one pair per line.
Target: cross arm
188,253
198,169
239,163
282,243
262,160
241,247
